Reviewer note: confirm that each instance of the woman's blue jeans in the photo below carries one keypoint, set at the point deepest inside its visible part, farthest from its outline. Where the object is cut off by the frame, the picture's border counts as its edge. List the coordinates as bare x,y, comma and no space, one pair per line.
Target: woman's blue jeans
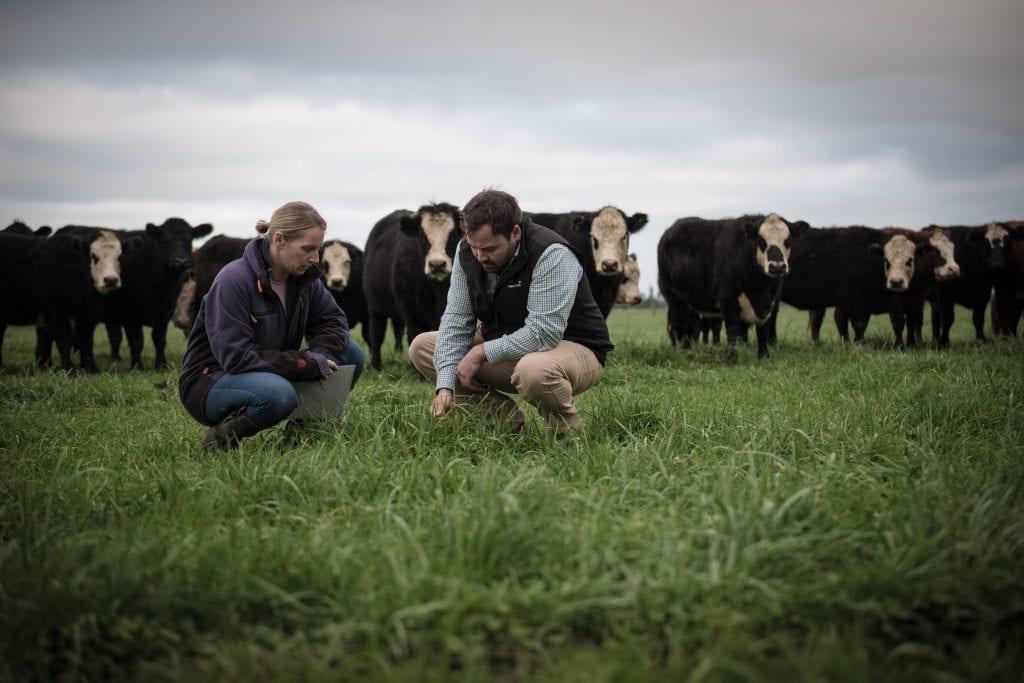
268,397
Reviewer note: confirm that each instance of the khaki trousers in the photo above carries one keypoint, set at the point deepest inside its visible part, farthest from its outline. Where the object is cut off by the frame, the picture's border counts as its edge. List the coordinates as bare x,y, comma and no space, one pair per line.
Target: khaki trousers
547,380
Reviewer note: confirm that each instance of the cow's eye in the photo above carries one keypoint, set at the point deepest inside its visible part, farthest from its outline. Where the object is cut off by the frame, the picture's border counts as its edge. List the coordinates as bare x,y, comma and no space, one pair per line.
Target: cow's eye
887,264
95,258
910,262
762,244
786,243
594,242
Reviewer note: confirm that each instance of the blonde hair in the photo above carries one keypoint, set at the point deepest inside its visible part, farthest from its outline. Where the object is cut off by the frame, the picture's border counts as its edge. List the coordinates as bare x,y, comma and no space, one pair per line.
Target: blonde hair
291,219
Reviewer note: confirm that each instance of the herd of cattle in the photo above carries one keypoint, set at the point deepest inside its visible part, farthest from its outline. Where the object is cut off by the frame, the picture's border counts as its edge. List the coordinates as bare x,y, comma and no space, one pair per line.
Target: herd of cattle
731,271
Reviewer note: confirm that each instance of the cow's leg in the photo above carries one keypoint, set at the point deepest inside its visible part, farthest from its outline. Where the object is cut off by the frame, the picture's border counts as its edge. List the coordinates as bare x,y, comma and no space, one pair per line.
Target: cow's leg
899,320
815,317
133,333
60,328
1013,315
376,324
771,326
857,318
689,328
841,316
763,334
44,346
735,330
114,335
915,314
947,315
84,331
398,330
159,337
978,317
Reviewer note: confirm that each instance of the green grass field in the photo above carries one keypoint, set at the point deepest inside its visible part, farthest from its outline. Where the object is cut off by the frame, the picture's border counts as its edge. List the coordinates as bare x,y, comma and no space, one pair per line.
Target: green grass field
835,513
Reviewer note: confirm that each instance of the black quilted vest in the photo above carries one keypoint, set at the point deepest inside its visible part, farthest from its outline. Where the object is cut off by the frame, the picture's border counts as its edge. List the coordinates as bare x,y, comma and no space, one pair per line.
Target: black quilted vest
505,311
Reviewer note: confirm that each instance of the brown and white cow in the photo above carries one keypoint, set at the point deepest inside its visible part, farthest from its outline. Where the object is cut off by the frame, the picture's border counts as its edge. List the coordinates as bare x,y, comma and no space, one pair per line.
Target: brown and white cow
629,287
407,266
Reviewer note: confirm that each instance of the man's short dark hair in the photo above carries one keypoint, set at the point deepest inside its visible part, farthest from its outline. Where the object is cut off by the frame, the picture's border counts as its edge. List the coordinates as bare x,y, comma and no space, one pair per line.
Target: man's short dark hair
492,207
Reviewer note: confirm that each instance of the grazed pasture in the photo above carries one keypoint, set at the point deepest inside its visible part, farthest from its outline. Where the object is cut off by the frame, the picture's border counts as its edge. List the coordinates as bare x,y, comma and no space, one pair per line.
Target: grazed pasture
834,513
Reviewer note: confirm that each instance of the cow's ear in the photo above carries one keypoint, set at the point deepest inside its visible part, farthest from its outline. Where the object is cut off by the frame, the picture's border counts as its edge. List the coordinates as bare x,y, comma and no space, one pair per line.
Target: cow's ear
151,227
131,243
410,225
798,228
45,230
635,222
80,242
581,223
201,230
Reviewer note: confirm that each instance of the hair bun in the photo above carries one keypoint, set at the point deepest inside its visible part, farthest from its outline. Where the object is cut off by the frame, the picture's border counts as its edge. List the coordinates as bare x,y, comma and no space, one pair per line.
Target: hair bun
262,226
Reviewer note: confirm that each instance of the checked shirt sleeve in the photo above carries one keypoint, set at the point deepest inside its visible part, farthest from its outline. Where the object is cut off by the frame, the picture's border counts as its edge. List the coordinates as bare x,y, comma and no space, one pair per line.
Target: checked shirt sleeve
455,334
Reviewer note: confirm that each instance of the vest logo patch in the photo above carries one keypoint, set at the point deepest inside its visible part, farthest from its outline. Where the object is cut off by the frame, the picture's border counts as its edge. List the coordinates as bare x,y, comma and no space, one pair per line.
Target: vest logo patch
513,285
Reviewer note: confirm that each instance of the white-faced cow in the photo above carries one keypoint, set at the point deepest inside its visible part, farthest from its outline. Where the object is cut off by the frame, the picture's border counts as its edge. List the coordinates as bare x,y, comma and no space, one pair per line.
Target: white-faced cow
732,268
79,267
982,252
629,286
602,237
153,277
342,263
934,261
855,269
407,266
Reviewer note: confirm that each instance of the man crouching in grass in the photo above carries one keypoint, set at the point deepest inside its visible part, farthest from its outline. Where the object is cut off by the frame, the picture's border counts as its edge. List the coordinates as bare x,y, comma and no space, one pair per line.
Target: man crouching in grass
540,332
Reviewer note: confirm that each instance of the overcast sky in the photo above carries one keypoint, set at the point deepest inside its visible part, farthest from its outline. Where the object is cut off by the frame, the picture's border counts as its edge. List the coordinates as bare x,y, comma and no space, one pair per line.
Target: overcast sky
873,112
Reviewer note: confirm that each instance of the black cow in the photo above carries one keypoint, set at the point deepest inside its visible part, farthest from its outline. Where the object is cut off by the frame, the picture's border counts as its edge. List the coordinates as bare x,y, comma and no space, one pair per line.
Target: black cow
19,295
153,276
733,268
602,238
407,269
982,252
206,262
1008,297
77,269
19,228
856,269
